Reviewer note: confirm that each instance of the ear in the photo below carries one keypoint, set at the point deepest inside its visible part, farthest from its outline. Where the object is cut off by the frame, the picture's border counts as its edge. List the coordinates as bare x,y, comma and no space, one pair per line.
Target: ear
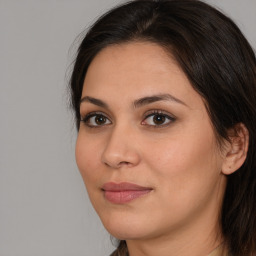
236,149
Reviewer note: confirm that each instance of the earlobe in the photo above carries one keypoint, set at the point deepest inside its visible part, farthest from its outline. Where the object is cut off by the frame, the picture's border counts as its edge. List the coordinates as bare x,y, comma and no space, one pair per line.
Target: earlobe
237,148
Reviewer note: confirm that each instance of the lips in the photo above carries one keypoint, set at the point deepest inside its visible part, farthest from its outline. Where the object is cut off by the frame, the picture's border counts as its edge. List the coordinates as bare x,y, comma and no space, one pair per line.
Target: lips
120,193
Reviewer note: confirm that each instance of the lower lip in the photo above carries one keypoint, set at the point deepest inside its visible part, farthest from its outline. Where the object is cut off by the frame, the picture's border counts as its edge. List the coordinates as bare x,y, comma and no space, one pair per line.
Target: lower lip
122,197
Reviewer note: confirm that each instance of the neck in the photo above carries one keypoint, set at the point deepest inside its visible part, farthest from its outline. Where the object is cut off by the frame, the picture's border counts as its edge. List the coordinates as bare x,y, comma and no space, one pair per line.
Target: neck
199,238
191,244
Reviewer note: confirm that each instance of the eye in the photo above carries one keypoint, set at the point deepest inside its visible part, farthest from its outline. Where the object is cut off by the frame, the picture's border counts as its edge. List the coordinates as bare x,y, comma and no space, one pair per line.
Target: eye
96,120
158,118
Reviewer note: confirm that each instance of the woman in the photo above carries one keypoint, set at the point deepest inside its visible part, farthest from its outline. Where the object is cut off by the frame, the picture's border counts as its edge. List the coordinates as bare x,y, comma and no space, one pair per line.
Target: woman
164,94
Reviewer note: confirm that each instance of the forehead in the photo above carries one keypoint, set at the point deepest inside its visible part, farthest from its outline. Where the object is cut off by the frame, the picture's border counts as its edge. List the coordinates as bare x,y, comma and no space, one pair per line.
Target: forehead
139,58
135,69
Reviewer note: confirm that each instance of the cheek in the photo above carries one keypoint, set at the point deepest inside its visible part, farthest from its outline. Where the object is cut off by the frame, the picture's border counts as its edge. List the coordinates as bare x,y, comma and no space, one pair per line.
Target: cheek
88,157
183,160
186,171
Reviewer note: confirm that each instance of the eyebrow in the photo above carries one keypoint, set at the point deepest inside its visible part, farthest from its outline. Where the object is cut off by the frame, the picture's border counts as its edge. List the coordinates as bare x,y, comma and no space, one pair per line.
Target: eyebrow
154,98
137,103
94,101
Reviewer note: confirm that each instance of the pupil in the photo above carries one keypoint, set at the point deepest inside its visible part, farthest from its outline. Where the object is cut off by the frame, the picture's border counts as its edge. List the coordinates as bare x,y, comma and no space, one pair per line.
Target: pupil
159,119
100,120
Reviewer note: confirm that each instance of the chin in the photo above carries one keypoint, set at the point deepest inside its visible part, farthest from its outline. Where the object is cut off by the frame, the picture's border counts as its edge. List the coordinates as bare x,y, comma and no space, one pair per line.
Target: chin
126,233
125,227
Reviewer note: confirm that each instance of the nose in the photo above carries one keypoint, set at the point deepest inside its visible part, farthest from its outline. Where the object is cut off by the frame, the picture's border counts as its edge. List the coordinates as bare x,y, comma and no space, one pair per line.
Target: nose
121,149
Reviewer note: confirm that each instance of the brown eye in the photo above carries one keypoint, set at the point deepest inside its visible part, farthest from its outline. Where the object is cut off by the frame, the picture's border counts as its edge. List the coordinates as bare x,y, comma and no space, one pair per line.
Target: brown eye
100,120
159,119
96,120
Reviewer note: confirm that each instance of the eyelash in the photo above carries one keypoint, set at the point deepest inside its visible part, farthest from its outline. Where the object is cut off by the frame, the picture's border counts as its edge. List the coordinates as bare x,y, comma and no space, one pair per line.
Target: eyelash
170,119
87,118
161,113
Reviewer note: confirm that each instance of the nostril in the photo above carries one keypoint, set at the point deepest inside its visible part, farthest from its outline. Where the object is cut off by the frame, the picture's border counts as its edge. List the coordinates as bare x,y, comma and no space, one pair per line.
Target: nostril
116,156
123,162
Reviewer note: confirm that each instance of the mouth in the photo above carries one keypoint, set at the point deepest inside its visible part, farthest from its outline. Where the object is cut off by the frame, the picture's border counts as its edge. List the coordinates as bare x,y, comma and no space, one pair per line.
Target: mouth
121,193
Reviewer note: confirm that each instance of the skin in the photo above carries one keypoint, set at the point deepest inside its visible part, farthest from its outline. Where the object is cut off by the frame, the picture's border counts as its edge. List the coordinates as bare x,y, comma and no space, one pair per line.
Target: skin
179,159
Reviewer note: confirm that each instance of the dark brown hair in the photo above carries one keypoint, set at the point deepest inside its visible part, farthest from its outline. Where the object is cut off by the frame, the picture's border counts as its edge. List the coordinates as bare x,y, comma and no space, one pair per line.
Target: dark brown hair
221,66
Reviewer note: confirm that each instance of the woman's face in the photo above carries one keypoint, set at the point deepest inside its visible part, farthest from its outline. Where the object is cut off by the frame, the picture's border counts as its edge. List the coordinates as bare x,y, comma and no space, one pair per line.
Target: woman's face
146,148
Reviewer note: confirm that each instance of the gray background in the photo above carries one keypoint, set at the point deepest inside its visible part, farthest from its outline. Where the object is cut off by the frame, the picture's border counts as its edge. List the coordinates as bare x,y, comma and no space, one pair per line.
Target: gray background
44,209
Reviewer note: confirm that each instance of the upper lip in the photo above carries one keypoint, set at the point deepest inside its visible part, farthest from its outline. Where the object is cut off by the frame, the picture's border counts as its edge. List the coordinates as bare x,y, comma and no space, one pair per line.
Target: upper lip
123,186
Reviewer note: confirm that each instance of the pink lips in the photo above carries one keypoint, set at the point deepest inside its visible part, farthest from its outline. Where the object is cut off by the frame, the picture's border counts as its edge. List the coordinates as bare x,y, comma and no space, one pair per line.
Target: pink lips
120,193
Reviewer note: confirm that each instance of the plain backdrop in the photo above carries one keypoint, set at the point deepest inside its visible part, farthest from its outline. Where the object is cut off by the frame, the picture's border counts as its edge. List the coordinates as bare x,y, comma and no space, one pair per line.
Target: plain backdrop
44,208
